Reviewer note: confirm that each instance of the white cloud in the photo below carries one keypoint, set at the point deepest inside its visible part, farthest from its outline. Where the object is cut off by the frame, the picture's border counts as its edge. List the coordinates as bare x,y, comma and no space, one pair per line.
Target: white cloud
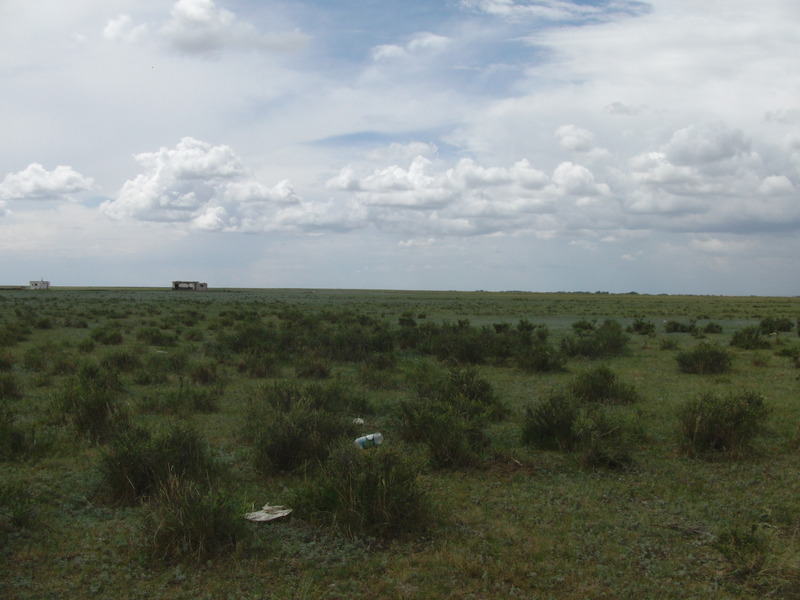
199,26
202,185
122,29
422,42
36,183
572,137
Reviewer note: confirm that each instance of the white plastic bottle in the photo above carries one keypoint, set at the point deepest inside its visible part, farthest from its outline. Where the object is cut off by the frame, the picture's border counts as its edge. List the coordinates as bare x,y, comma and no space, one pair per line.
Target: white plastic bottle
368,441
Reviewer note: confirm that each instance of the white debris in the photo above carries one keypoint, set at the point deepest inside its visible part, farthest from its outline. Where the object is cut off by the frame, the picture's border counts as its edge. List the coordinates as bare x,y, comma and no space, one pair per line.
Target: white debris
268,513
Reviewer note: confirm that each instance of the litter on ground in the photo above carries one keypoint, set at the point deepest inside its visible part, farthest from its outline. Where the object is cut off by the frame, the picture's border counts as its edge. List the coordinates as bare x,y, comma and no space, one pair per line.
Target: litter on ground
268,513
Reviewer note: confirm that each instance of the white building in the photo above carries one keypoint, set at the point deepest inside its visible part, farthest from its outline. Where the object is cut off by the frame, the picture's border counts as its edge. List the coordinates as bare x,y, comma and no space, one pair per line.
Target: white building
190,286
40,285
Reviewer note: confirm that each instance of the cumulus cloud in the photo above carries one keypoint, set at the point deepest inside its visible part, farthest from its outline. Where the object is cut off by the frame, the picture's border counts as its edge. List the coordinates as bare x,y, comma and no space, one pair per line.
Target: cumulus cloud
423,42
199,26
37,183
203,185
122,29
202,27
572,137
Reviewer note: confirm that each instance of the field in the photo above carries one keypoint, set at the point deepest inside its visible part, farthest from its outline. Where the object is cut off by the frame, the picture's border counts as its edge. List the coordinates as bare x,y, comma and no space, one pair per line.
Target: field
241,398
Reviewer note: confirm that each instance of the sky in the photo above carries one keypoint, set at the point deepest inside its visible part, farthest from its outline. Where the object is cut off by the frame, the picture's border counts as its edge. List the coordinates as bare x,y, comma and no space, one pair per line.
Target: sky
645,146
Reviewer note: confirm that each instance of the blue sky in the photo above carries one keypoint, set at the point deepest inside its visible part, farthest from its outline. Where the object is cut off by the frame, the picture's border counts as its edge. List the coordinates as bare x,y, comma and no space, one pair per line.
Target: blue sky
539,145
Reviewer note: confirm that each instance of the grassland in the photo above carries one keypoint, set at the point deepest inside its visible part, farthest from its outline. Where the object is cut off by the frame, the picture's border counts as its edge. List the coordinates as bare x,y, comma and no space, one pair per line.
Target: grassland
518,522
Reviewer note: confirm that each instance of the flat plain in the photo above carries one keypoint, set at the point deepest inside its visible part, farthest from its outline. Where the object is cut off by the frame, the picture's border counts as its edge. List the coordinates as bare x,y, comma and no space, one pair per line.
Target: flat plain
516,520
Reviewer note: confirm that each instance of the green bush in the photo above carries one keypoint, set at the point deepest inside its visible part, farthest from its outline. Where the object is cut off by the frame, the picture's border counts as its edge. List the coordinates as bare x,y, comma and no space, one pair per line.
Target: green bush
608,339
299,437
373,493
540,358
749,338
678,327
711,423
136,463
771,325
549,423
16,503
642,327
454,431
604,435
91,403
601,385
10,388
155,336
187,521
712,328
704,359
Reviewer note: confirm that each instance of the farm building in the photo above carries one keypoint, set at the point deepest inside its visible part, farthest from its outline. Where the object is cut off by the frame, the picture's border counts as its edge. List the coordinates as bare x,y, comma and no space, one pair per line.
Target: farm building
40,285
190,286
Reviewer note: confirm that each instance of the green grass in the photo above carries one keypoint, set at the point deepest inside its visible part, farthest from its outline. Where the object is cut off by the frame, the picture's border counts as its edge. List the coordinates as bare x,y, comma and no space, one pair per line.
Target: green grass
516,522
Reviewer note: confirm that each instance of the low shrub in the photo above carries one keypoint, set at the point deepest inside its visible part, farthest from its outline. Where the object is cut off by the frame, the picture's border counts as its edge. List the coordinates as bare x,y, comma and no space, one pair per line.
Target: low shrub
91,403
679,327
187,521
607,436
711,423
10,387
712,328
604,435
123,361
704,359
314,368
453,430
642,327
374,492
540,358
749,338
17,504
155,336
548,424
771,325
136,463
299,437
601,385
608,339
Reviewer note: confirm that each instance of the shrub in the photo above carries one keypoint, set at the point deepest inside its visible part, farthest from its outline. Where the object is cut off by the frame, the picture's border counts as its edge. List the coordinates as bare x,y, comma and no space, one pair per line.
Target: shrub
16,503
154,336
297,438
704,359
452,430
548,424
123,361
642,327
606,437
90,402
726,424
678,327
314,368
712,328
601,385
749,338
136,463
110,335
770,325
373,492
540,358
608,339
6,361
10,388
187,521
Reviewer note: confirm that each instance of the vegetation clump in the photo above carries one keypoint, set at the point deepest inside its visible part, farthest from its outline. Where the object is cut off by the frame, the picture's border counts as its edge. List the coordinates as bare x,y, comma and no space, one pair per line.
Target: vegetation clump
704,359
721,423
374,493
592,341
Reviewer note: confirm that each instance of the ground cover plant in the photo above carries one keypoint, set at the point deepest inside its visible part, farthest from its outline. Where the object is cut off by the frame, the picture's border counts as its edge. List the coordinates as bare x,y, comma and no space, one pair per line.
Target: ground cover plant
565,445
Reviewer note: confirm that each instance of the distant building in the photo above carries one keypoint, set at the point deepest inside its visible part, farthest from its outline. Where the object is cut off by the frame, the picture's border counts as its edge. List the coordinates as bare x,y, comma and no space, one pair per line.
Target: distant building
40,285
190,286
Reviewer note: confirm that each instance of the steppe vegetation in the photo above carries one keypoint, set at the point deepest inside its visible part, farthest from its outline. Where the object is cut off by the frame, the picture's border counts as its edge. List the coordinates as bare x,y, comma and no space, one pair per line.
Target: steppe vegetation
572,445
